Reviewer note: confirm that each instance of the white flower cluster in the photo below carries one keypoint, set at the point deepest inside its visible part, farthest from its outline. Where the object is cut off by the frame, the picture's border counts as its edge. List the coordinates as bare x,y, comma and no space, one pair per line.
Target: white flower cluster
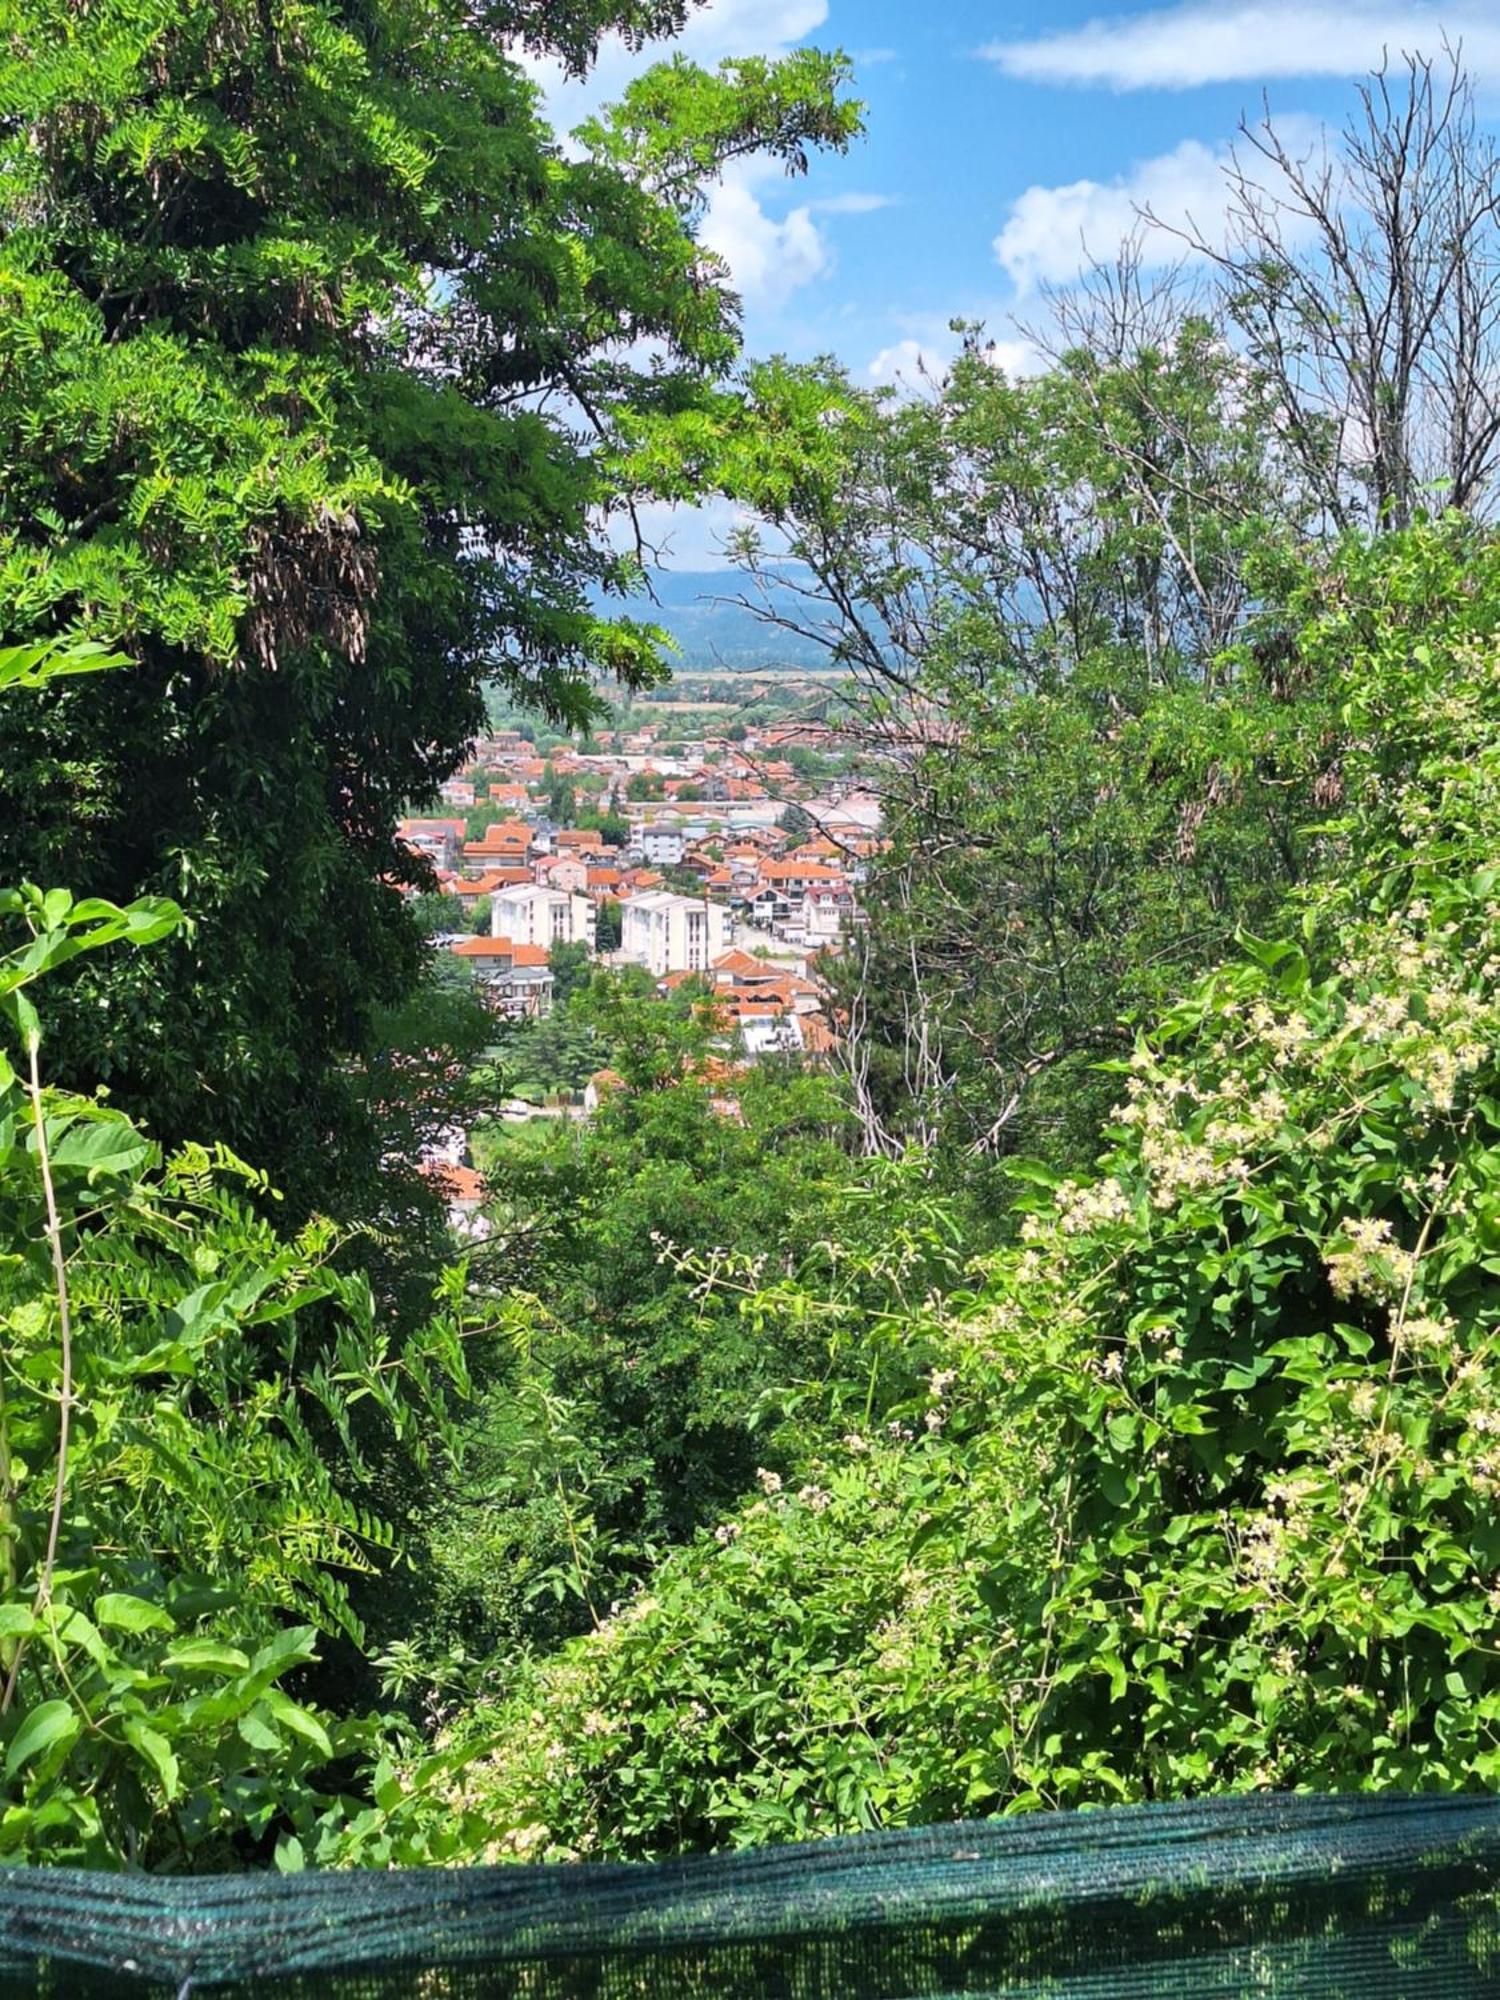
1374,1265
1081,1208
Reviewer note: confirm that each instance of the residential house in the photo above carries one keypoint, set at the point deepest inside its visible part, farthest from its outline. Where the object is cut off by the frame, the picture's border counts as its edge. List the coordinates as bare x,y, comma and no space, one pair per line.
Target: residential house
581,840
515,979
436,840
827,911
471,889
504,844
568,872
464,1193
793,879
662,846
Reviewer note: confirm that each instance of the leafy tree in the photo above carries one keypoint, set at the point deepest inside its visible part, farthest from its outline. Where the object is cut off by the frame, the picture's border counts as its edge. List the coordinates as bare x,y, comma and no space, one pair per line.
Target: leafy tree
612,828
283,312
482,916
645,785
436,913
624,1410
562,801
571,970
544,1058
1094,767
609,926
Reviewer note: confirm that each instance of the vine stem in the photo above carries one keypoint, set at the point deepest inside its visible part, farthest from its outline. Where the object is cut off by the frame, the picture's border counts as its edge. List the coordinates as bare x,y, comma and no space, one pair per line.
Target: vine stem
65,1323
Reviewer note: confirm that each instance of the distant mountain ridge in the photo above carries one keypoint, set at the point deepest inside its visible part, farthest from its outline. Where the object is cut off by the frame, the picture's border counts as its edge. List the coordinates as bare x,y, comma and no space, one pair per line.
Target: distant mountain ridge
717,634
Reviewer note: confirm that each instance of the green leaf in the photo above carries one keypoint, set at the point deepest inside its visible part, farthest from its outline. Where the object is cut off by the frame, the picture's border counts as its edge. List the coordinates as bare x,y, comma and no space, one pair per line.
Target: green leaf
131,1614
301,1721
156,1751
49,1725
109,1146
206,1656
255,1729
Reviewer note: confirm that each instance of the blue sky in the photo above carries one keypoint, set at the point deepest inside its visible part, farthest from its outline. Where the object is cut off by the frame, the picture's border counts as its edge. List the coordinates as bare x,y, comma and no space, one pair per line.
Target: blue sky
1003,136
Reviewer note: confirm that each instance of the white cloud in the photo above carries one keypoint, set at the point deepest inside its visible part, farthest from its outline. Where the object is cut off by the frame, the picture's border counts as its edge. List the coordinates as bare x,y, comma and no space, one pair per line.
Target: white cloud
771,257
851,204
1182,47
768,259
1052,234
905,363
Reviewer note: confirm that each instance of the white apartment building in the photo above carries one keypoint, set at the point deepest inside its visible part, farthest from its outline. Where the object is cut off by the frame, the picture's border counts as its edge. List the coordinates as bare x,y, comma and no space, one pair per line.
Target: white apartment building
533,915
662,846
667,933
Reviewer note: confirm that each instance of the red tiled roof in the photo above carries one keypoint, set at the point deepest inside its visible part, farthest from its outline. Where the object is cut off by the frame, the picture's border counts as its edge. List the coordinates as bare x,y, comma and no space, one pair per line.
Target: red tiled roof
426,825
493,879
503,833
458,1183
799,871
493,947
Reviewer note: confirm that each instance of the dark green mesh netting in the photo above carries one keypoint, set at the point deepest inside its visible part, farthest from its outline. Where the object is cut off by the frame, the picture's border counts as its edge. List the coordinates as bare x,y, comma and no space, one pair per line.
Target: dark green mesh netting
1364,1898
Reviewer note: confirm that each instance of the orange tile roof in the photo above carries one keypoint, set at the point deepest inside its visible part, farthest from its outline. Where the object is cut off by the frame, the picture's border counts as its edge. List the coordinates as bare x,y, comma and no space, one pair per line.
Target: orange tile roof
799,871
493,879
458,1183
737,962
407,827
493,947
503,833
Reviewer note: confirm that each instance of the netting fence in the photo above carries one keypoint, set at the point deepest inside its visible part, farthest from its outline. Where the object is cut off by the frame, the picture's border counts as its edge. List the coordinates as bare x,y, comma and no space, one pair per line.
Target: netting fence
1344,1899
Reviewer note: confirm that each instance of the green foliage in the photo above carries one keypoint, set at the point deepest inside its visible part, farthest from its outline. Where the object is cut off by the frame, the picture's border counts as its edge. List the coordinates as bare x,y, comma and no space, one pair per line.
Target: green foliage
1201,1493
1042,588
180,1469
627,1406
434,914
571,970
285,307
209,1492
612,827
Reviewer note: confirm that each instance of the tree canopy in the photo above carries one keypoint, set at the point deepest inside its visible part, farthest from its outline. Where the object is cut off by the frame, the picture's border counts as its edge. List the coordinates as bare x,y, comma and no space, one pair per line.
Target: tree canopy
311,338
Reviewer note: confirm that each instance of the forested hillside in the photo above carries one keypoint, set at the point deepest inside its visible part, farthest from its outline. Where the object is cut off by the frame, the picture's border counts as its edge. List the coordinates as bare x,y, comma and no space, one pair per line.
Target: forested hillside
962,1284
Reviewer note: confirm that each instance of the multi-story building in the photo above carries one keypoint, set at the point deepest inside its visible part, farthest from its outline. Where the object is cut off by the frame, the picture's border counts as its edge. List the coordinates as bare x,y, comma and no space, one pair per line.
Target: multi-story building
662,846
668,933
545,917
